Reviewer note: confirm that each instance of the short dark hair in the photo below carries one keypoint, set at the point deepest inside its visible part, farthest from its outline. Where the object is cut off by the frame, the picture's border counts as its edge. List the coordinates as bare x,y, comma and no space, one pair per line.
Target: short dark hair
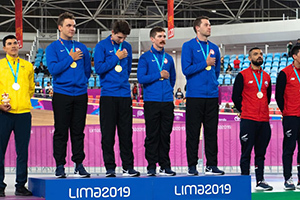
63,16
197,21
295,49
121,26
8,37
254,48
156,29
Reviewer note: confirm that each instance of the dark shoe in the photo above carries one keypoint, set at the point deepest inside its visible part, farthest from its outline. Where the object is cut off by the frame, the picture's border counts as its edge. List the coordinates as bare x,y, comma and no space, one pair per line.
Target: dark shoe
79,169
289,184
22,191
110,173
60,172
213,170
167,172
151,172
193,171
263,186
2,193
131,173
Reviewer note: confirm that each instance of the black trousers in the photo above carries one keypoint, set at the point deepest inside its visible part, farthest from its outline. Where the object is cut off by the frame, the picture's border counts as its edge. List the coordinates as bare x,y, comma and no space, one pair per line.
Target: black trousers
159,122
198,111
69,113
21,125
291,132
116,112
257,134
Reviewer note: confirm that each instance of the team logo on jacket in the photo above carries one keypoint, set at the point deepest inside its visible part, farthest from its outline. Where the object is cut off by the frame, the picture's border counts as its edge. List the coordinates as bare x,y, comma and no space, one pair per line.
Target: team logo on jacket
266,83
77,49
166,61
293,78
212,52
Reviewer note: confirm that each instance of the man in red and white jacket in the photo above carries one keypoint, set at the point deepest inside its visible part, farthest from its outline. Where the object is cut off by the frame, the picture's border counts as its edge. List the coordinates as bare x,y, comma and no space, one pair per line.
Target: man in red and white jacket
288,101
251,96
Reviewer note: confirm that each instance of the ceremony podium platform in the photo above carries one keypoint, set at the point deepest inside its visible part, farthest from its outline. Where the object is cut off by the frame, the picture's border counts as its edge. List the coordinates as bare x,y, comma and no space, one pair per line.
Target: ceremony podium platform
144,188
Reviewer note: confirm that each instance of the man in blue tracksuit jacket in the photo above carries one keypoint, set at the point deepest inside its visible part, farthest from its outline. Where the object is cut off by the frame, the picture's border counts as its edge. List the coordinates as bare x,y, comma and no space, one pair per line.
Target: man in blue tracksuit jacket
113,59
200,60
70,66
157,74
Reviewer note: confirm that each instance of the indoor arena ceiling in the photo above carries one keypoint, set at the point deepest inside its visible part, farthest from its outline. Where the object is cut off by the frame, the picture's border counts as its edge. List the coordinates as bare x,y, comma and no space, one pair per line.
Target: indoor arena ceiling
94,14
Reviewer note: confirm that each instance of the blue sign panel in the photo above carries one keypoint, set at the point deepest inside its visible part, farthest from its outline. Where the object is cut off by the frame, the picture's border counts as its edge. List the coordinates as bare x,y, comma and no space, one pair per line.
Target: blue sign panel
145,188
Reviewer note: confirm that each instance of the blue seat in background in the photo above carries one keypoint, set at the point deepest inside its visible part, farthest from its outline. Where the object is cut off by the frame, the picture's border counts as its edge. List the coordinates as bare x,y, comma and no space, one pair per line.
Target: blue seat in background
227,79
221,79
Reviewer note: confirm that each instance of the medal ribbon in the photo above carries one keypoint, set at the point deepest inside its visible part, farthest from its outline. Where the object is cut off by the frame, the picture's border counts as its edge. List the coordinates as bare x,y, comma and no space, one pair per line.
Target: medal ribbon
66,47
160,67
120,48
207,49
261,80
12,70
296,73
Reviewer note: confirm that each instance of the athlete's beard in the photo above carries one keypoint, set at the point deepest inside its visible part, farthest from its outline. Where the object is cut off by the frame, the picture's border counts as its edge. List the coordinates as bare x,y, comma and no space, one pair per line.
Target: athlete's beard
257,62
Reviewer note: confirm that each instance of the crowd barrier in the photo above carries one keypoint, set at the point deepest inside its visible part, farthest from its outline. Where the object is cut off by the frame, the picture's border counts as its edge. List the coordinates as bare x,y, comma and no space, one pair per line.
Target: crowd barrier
41,158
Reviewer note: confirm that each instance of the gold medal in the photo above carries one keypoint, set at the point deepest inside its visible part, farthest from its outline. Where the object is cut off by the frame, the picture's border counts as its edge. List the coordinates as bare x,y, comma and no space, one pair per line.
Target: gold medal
118,68
259,95
73,65
208,68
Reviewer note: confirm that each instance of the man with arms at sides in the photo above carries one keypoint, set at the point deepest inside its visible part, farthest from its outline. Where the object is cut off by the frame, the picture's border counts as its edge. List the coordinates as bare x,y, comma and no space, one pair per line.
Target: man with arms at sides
251,96
156,72
113,59
70,66
200,60
16,80
288,100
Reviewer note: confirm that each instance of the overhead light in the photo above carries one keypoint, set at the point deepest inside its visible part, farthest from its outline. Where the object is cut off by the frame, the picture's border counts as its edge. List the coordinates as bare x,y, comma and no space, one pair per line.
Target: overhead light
214,11
173,51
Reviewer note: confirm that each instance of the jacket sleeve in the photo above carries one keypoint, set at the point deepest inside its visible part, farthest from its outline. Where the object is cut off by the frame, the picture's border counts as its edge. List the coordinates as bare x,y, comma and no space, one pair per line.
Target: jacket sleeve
269,92
102,62
172,74
188,66
142,70
31,81
218,64
129,59
87,63
55,66
238,87
280,88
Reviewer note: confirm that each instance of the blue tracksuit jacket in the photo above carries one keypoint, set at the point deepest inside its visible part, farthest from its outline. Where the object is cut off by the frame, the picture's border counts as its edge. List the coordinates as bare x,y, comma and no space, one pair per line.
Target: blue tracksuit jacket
67,80
148,74
113,83
200,82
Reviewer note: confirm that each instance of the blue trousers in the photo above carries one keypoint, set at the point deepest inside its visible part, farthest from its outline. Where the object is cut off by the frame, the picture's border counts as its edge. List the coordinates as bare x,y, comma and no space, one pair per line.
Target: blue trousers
21,125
